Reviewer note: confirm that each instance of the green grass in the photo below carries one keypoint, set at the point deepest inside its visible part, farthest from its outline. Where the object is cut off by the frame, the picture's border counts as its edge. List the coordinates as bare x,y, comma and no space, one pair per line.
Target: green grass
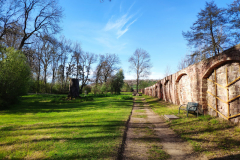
48,127
215,137
140,116
156,152
140,111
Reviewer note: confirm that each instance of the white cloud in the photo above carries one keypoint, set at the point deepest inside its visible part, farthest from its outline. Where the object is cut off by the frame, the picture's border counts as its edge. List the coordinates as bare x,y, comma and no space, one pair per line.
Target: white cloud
120,32
121,25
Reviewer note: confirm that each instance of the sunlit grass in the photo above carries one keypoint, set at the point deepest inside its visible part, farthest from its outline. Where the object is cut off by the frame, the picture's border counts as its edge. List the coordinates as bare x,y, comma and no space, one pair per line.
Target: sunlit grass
39,128
140,111
213,136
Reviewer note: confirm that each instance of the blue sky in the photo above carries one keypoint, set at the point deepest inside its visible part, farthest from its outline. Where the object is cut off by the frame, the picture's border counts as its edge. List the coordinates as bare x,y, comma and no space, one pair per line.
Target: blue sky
122,26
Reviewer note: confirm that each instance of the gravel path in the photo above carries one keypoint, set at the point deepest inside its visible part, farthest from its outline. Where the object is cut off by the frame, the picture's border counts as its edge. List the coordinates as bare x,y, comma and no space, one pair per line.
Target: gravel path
147,130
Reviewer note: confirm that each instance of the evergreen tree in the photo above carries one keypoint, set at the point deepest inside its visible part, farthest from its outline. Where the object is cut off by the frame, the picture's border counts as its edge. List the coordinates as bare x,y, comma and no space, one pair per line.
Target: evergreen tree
234,20
208,35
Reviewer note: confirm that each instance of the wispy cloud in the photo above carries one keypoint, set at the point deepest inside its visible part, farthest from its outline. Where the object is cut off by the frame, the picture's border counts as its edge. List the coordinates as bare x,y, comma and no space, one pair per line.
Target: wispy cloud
121,24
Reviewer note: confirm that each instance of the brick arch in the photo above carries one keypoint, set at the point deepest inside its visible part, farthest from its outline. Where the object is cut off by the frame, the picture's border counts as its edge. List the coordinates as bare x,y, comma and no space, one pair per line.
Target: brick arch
177,87
180,76
167,90
216,65
160,95
166,81
156,90
183,89
206,75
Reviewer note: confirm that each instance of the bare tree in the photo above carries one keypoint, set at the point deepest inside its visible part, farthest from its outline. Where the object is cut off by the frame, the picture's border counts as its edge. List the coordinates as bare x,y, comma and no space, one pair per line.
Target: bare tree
12,35
39,16
8,12
140,64
108,64
87,59
65,49
76,59
167,71
46,54
54,61
97,72
38,58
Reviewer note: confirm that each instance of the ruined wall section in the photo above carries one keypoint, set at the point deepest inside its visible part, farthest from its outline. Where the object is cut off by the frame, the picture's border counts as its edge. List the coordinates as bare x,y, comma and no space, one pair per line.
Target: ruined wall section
192,85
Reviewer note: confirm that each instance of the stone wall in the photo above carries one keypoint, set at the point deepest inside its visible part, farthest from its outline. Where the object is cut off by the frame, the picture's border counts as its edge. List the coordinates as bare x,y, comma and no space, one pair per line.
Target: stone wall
196,83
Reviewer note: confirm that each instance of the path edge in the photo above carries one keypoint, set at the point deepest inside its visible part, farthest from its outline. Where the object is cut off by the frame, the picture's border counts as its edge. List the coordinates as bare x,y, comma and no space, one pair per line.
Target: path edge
122,146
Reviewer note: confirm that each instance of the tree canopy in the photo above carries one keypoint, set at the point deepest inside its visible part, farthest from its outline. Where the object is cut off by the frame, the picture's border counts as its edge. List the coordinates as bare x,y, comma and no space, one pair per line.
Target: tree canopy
208,34
14,76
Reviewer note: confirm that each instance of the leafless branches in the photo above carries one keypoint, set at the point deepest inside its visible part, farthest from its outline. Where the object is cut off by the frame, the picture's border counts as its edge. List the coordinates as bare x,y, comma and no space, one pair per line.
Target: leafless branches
140,64
108,64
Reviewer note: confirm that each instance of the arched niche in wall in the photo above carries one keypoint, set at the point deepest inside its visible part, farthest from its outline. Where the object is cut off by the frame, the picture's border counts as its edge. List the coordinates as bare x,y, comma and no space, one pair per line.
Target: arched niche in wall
156,90
220,90
183,89
151,90
160,91
166,89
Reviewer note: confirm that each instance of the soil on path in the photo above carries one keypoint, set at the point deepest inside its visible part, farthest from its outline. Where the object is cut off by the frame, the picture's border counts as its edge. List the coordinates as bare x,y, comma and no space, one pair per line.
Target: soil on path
149,137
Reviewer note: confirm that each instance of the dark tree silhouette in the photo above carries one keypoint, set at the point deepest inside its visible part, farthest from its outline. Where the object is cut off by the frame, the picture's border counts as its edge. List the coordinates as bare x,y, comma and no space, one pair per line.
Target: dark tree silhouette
45,18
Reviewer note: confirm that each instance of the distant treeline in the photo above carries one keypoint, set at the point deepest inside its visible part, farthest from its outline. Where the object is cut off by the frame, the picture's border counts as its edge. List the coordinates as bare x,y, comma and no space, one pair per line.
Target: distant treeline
142,83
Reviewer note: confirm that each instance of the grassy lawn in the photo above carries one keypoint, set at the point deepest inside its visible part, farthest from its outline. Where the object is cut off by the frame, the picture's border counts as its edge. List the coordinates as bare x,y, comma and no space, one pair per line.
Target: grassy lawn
47,127
214,137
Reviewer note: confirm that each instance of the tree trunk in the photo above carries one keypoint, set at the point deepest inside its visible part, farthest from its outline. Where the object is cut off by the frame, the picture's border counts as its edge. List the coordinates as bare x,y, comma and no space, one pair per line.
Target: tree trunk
137,83
53,80
45,79
73,88
38,77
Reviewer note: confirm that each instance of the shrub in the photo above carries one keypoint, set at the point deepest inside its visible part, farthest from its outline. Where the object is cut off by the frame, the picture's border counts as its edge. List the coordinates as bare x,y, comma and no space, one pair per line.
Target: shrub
127,97
87,89
14,76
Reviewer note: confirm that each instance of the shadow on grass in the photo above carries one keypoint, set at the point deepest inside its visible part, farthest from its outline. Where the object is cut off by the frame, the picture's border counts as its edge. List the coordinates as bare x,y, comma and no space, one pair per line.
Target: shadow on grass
82,148
46,107
222,145
106,125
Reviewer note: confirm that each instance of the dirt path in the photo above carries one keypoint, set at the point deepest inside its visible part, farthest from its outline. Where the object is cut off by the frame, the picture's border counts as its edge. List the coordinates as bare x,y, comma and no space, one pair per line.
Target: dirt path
149,137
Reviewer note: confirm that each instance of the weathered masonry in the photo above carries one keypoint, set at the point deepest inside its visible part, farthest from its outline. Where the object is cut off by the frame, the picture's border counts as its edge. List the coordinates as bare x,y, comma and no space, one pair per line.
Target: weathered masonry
213,83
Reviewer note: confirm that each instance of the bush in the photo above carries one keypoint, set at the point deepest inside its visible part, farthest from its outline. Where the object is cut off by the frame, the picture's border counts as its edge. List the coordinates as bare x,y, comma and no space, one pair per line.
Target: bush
127,97
14,76
87,89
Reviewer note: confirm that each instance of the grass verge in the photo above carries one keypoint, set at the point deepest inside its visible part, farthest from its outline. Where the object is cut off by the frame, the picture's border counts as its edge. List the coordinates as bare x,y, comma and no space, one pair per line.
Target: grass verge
214,137
46,127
